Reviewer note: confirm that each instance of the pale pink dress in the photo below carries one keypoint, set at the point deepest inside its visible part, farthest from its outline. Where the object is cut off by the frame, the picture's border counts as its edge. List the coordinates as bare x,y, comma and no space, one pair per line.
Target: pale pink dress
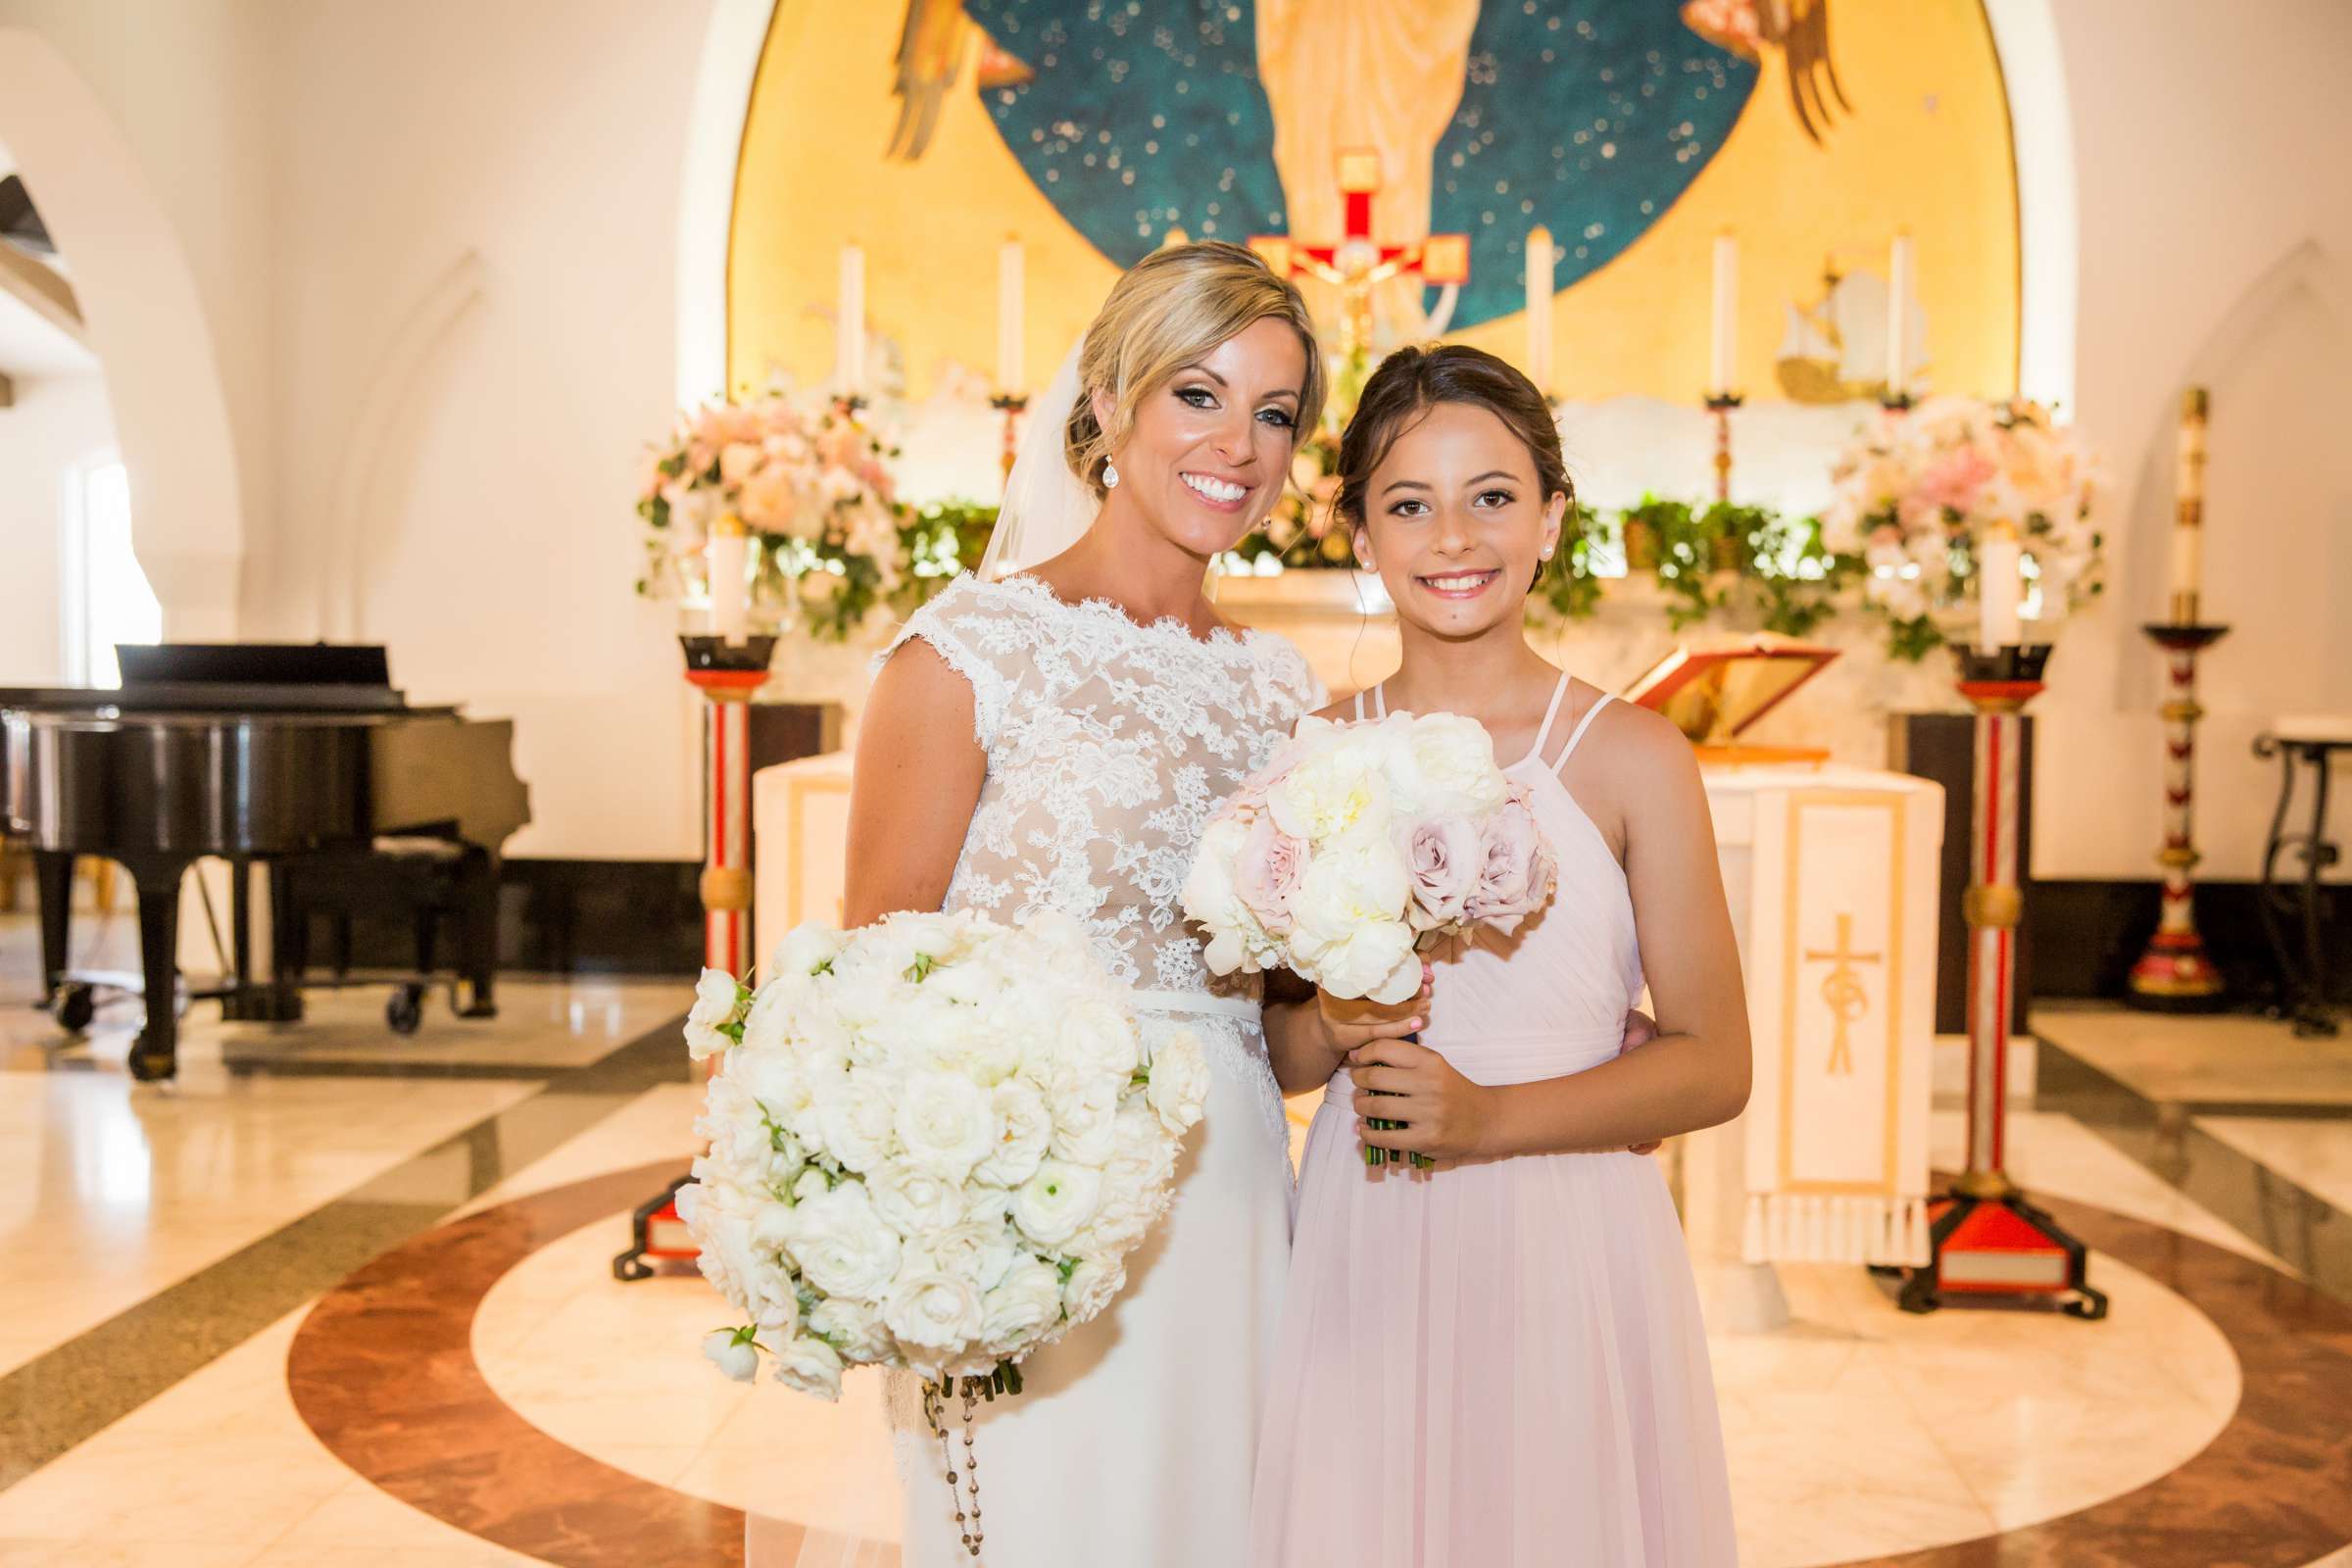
1498,1364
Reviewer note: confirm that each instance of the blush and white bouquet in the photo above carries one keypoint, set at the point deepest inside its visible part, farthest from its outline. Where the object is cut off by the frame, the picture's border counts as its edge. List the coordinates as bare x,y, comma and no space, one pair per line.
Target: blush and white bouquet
1361,845
812,484
932,1142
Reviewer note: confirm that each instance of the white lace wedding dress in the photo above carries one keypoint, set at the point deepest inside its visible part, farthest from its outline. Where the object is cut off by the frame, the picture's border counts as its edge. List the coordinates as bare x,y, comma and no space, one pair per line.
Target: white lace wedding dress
1108,745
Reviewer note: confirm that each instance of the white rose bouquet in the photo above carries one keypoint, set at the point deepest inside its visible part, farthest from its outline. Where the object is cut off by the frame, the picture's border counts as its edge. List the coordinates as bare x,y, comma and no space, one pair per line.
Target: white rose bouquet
932,1142
1361,845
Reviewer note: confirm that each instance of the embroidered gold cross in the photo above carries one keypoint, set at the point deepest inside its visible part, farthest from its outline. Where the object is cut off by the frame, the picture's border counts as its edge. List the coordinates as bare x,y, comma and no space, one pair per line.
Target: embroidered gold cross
1843,990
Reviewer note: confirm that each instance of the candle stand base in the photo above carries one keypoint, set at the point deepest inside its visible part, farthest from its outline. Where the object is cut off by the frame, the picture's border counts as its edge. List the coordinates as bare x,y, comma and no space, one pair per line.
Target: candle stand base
1992,1244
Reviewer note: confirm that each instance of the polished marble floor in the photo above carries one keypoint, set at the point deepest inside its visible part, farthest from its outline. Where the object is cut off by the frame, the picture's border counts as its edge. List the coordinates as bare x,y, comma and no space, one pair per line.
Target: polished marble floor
364,1316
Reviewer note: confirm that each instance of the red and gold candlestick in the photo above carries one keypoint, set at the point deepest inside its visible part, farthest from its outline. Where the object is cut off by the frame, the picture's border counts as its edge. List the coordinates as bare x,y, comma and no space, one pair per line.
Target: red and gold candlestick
1011,404
2175,974
726,672
1985,1238
1721,405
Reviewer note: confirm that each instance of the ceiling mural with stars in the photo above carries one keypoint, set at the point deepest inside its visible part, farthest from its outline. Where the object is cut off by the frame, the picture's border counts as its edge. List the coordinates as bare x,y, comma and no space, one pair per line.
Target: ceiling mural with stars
1632,130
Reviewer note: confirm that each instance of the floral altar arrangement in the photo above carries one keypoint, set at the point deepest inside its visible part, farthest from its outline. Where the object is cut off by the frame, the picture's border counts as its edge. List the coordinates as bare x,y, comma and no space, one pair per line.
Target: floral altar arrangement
1919,488
813,488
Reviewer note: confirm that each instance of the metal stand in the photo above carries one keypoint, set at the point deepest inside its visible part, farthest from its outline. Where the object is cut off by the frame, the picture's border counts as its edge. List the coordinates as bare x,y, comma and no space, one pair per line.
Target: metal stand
726,674
1011,404
2303,965
1985,1239
2175,974
1721,405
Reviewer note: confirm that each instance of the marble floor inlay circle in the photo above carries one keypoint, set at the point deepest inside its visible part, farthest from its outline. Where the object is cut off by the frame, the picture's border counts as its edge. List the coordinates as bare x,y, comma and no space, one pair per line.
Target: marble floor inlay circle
487,1373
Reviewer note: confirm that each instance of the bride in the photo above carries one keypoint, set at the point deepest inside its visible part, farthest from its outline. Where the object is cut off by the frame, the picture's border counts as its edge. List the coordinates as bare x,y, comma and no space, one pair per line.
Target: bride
1055,739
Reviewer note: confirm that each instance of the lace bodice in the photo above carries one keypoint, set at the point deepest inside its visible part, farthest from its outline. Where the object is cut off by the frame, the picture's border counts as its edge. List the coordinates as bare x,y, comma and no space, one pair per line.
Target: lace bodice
1109,743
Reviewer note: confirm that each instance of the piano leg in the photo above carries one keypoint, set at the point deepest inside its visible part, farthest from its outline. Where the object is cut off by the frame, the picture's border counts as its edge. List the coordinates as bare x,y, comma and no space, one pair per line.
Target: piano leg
52,893
289,945
247,1000
477,932
156,1053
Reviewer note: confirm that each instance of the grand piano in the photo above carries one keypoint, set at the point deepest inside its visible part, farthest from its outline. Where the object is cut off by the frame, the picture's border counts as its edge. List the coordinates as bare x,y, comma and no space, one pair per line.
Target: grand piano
298,756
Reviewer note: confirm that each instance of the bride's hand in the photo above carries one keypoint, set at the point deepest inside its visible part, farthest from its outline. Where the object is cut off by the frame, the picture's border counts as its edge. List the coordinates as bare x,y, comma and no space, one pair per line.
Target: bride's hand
1639,1030
1444,1115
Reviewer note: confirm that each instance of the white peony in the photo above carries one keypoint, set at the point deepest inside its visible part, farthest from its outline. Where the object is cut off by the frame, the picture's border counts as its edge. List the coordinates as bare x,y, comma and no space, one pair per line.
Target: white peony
841,1245
978,1252
1454,769
1213,900
911,1200
1097,1033
715,999
1083,1112
1090,1287
947,1122
936,1310
1023,1127
774,1080
768,1028
733,1352
810,1365
858,1118
1051,1204
1352,936
854,1328
1022,1307
1179,1087
1337,791
805,950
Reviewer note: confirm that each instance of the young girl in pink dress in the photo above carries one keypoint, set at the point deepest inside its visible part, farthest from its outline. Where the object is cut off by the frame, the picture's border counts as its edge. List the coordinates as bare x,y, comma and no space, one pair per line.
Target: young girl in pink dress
1498,1362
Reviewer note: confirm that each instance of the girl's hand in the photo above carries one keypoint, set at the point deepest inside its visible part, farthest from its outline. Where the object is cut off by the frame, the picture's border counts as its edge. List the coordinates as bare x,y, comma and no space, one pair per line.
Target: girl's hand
1352,1025
1444,1115
1639,1030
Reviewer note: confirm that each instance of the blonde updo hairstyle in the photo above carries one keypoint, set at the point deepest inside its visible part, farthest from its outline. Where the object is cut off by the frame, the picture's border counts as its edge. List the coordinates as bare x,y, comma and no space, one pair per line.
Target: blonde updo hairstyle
1167,311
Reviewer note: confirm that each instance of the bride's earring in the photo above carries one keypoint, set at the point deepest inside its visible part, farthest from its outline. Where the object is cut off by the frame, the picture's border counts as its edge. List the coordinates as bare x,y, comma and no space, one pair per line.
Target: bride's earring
1110,475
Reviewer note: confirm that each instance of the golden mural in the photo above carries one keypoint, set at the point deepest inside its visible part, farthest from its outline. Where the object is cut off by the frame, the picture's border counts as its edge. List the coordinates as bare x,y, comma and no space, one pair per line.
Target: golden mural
928,133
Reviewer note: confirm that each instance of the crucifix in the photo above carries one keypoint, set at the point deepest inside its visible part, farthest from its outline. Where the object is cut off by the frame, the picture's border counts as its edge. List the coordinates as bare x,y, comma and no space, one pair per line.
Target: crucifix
1843,990
1355,264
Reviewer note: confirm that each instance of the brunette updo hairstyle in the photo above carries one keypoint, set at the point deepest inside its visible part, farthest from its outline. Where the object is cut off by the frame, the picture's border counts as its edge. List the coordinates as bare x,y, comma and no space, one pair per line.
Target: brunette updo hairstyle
1166,312
1411,381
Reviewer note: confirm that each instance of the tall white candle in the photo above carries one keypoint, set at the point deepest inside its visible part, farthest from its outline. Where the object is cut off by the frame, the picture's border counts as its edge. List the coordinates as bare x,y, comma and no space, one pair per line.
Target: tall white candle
1899,284
1008,318
849,364
728,556
1541,259
1723,362
2188,525
1999,588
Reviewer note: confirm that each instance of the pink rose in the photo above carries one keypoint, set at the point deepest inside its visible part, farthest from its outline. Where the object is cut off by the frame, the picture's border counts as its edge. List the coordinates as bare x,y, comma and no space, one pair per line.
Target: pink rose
1515,874
1953,479
738,461
1267,873
1444,856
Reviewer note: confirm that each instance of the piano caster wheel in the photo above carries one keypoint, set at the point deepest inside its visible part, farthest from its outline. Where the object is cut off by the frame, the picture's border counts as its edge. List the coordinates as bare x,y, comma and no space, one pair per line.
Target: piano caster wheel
406,1010
73,1006
149,1068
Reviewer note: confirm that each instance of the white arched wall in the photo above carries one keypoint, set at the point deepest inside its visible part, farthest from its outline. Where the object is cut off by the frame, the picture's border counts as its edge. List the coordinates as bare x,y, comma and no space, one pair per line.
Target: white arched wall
146,324
722,100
